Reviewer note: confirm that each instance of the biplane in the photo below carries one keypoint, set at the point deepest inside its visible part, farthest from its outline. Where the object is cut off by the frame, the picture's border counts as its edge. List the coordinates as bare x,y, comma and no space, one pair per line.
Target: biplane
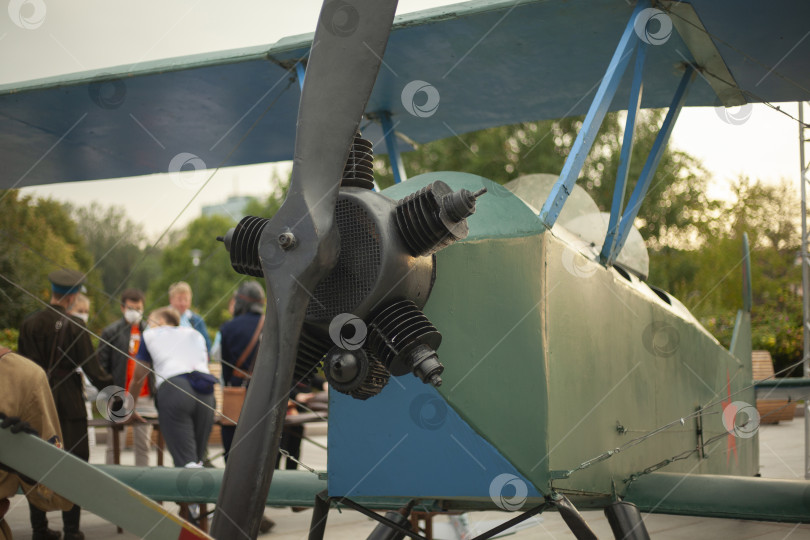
488,347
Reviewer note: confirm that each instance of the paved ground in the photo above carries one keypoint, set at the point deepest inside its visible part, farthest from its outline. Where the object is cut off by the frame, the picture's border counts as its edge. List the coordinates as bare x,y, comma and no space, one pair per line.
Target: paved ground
781,456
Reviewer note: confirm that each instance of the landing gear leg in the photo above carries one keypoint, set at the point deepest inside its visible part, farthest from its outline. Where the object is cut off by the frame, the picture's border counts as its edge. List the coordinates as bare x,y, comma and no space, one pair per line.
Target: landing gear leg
625,521
319,514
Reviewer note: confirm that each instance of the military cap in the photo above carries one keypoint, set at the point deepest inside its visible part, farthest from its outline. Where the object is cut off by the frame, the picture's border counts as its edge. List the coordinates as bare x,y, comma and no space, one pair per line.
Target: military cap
66,281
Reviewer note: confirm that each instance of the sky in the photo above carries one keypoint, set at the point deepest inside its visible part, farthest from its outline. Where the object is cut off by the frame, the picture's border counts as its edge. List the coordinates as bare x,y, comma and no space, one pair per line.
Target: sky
756,141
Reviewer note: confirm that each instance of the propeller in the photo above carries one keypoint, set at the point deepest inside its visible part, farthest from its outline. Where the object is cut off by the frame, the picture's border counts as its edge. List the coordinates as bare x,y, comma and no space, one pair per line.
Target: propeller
299,246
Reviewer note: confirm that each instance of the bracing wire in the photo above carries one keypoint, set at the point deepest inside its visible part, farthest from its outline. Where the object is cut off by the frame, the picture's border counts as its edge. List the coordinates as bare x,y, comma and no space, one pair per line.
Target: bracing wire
771,69
679,421
111,297
207,181
85,329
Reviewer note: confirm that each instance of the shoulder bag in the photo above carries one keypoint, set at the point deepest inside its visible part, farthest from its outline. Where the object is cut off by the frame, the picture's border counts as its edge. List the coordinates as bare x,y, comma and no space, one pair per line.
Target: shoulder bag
233,397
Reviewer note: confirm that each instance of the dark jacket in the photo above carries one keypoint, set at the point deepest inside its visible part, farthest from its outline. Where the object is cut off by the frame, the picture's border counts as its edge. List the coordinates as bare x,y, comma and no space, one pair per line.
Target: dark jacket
59,344
113,352
236,335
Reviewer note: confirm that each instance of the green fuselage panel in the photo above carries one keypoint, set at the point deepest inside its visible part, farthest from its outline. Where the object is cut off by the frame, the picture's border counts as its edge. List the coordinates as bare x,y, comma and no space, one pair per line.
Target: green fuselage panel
488,304
555,359
623,363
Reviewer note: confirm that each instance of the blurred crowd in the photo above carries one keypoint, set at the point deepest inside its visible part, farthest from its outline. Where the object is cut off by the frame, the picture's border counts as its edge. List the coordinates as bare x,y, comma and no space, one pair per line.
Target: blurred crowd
147,371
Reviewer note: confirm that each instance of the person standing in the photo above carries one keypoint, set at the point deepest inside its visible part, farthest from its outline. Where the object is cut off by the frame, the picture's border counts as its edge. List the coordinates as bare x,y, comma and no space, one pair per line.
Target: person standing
80,308
180,299
238,349
120,342
240,343
26,404
60,344
185,388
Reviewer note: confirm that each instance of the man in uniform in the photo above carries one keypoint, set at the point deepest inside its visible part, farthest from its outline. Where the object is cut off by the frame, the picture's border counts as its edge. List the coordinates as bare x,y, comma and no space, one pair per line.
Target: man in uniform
60,344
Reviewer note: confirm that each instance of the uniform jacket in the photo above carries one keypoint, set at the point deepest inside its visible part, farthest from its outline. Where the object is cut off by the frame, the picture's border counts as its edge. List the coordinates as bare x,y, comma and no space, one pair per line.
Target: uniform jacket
59,343
114,340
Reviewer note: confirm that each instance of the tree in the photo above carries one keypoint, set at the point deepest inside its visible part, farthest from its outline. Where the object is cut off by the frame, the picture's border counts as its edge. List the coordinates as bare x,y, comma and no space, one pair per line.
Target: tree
213,281
37,236
270,205
709,280
117,245
675,207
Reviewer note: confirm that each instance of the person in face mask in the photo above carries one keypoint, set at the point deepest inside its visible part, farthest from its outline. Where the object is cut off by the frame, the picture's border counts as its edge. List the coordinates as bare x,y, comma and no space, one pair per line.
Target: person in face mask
80,308
120,342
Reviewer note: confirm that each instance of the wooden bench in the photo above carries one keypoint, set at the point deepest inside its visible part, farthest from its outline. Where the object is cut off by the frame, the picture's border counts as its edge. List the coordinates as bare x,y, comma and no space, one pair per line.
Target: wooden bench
771,411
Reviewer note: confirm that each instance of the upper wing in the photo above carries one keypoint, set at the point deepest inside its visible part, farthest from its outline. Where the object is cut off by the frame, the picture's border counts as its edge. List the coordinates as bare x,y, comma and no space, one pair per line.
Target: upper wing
490,62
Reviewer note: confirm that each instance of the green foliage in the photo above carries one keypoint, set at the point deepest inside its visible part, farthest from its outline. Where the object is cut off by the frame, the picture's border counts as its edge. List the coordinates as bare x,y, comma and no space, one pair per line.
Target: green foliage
675,209
709,280
270,205
36,237
8,338
695,243
675,206
115,243
212,282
